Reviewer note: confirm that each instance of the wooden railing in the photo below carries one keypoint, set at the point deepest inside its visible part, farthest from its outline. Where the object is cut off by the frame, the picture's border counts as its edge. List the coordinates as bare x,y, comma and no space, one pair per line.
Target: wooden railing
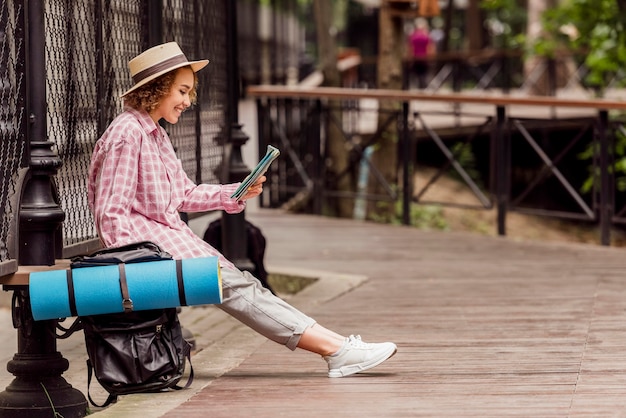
402,96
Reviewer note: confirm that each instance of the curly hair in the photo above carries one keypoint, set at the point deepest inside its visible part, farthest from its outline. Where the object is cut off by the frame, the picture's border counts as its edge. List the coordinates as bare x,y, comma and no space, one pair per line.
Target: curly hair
148,96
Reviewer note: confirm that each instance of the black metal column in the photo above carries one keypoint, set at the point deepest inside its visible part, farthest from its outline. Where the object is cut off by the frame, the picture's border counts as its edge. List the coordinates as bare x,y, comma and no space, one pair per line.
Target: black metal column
234,238
38,389
319,173
502,168
154,11
606,201
406,156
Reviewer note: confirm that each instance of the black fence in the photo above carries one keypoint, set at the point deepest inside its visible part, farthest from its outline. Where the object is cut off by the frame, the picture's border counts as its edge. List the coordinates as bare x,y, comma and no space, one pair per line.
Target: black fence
86,47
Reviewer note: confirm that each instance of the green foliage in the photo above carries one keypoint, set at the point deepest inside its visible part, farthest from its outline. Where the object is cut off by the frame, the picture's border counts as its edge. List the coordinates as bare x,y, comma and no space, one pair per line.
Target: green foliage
465,157
421,216
594,27
384,214
620,162
506,22
619,166
428,217
597,29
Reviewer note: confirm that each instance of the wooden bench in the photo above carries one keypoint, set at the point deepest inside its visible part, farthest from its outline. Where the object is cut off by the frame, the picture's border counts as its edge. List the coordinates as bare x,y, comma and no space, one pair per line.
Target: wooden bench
11,274
22,275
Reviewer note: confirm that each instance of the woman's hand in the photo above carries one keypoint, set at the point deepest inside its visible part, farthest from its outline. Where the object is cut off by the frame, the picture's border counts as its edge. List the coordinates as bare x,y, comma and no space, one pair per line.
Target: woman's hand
255,189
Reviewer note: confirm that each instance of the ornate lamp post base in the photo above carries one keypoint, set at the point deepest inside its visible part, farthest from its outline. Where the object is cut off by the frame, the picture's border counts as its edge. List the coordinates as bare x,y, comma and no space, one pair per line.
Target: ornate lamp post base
31,395
38,389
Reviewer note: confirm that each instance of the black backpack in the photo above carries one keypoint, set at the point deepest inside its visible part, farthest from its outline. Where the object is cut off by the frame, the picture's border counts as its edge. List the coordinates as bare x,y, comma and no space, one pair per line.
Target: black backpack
142,351
133,351
255,250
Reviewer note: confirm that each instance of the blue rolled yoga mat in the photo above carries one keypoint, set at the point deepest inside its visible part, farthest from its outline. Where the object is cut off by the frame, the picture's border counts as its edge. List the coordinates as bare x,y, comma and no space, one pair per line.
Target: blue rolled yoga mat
151,285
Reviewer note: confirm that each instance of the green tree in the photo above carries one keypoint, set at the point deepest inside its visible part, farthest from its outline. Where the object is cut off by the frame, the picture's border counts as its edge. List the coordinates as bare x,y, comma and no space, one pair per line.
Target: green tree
506,22
597,28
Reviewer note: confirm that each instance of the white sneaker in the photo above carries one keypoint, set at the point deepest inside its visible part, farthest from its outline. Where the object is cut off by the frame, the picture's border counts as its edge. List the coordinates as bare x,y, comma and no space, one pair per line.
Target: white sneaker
355,356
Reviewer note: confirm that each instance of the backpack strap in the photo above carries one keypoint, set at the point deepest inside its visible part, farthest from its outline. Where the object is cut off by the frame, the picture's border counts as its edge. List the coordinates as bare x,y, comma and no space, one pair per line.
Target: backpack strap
110,399
127,302
181,284
190,378
70,293
77,325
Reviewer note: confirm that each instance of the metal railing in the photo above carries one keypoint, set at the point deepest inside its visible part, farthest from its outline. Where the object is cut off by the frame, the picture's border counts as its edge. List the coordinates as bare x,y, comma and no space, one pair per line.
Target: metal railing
519,156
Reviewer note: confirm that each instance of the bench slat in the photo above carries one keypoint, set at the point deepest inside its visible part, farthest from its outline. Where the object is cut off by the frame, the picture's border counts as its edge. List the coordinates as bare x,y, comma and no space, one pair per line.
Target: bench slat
22,275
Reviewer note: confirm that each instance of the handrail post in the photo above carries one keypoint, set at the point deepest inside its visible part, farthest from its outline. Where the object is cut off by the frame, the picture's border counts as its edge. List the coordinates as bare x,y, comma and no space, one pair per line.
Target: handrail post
407,183
505,59
502,168
605,209
38,389
318,163
457,74
552,77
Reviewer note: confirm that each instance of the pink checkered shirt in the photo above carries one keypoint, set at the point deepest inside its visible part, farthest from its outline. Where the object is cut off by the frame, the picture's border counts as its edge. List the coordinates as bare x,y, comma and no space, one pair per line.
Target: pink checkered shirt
137,187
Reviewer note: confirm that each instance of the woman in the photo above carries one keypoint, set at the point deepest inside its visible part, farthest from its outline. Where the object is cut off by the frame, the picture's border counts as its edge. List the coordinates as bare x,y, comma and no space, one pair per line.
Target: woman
137,187
421,46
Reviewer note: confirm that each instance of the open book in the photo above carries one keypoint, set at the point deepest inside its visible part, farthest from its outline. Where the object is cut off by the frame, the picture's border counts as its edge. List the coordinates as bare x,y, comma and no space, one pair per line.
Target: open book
260,169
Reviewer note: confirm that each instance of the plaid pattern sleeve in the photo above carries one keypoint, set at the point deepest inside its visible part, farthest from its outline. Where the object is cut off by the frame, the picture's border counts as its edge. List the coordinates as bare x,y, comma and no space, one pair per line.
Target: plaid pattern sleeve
137,187
113,182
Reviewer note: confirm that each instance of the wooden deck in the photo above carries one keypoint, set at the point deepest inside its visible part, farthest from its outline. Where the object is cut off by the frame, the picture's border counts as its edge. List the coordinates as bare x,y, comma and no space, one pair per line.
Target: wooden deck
486,327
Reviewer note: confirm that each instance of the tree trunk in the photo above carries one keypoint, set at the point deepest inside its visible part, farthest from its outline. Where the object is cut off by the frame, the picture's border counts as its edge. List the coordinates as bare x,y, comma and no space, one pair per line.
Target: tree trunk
474,26
391,41
544,74
337,174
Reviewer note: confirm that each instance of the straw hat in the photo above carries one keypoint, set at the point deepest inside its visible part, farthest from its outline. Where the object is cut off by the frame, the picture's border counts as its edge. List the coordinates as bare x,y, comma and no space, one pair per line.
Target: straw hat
157,61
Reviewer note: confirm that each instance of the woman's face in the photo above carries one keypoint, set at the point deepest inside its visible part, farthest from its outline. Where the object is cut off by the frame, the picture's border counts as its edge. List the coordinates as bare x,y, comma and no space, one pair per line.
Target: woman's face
177,100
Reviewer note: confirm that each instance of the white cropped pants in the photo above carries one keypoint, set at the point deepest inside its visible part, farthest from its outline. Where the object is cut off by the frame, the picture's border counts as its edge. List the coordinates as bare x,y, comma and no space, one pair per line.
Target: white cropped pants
245,299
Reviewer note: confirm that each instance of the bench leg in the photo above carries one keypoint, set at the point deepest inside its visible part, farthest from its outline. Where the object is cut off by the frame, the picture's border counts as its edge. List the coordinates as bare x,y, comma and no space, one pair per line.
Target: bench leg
38,389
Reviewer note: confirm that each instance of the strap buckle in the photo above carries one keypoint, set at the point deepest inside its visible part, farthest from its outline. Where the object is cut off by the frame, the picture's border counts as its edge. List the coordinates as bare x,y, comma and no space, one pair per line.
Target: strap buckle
127,304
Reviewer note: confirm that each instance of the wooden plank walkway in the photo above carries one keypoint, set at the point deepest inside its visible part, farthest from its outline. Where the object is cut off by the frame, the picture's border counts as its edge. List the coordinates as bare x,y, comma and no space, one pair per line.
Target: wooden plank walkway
486,327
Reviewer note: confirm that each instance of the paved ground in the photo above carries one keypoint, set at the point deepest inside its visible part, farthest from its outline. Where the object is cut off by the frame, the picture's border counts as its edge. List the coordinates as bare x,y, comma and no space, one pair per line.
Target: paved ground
485,327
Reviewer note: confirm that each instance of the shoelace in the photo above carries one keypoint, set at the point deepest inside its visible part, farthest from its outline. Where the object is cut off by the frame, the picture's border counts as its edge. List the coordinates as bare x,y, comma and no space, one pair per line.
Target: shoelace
356,342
